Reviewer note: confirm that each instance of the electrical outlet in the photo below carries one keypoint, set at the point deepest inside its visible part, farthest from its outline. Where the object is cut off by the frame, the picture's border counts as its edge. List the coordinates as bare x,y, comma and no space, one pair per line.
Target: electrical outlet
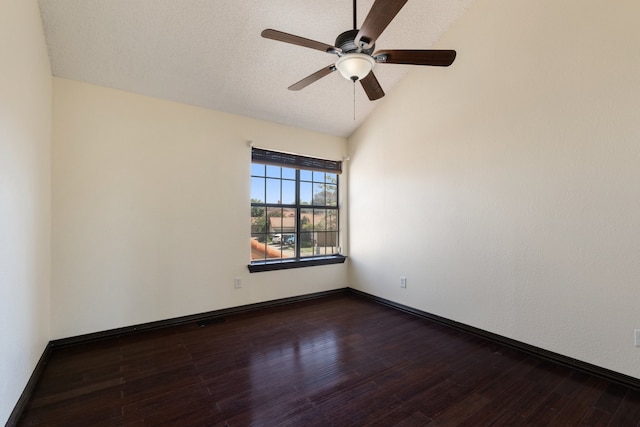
237,282
636,337
403,282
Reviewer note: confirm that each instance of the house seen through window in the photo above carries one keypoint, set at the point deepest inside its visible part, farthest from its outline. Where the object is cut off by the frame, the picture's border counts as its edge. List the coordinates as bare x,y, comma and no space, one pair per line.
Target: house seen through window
294,207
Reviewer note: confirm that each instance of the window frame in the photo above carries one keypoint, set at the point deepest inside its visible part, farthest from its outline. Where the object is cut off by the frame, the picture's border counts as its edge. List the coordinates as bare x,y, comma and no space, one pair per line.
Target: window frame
299,164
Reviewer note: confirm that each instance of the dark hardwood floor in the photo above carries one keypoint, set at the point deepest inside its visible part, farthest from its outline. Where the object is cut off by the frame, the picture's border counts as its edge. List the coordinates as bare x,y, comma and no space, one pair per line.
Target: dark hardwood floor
339,360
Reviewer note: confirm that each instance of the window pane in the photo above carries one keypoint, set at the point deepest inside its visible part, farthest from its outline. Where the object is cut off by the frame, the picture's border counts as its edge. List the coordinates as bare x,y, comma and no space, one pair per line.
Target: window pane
331,193
274,220
273,253
288,192
258,220
288,173
257,190
318,176
285,243
331,178
273,190
306,244
318,219
331,221
258,248
327,243
321,239
306,219
306,190
305,175
319,195
289,241
257,170
332,242
289,222
273,171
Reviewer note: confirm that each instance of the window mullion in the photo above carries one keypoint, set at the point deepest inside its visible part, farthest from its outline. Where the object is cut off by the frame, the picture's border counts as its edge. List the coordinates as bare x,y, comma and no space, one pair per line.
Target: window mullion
298,215
266,215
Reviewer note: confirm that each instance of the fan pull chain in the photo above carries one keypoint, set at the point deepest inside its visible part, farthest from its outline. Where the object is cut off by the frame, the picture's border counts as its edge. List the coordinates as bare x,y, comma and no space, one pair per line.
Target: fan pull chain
354,101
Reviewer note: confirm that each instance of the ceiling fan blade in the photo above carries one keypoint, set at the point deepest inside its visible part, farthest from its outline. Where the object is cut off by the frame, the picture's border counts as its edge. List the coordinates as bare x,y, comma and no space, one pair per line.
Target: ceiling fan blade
381,14
313,78
371,87
297,40
438,58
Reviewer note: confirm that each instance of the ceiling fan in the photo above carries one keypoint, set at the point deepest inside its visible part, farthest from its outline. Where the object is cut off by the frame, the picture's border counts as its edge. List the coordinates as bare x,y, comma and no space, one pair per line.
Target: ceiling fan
355,50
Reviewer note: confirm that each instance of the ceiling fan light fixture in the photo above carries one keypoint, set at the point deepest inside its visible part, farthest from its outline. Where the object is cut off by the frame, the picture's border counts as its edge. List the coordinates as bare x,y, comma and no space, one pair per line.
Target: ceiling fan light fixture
355,66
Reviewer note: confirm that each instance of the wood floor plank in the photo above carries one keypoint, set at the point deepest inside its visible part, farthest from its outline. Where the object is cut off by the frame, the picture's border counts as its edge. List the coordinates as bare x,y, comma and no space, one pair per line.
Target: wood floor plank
463,410
340,360
611,398
583,391
628,413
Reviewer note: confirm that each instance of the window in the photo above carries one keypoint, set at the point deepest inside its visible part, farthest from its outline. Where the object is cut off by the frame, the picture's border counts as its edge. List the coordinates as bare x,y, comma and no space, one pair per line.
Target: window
294,211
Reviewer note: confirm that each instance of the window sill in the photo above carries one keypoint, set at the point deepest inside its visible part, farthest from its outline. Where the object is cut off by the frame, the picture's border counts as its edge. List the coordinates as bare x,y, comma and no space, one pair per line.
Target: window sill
285,265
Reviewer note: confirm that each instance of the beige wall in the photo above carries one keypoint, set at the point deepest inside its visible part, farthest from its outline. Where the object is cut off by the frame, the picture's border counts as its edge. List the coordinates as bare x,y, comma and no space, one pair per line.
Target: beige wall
506,188
25,128
151,210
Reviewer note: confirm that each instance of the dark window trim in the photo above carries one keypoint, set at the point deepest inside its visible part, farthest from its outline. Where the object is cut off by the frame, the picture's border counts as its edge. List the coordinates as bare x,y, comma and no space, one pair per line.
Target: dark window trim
258,267
297,162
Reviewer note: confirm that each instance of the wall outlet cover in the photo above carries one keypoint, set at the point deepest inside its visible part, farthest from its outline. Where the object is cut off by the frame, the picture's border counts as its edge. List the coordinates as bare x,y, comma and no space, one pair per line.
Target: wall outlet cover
403,282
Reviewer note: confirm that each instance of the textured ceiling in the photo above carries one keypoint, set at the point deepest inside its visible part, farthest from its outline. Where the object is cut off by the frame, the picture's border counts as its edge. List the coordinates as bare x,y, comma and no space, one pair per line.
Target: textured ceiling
209,53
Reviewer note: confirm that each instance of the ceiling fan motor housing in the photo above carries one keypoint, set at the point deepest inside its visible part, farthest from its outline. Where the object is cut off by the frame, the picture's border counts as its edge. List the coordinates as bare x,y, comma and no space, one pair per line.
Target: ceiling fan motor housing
345,41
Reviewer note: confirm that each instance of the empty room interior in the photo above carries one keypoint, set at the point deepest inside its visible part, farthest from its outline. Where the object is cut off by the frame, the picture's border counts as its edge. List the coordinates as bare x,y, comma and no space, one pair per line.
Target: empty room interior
498,195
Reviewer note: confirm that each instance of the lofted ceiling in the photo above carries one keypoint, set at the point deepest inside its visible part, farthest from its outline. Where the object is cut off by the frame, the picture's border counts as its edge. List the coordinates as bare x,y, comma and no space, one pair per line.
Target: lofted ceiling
209,53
